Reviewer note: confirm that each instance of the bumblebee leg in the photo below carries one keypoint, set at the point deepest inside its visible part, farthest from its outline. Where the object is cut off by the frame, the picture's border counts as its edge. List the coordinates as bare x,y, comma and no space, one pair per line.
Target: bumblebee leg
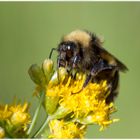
98,67
113,87
87,81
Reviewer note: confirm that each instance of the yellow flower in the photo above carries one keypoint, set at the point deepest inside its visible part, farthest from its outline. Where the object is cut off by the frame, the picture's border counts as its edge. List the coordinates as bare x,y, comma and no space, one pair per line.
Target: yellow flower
20,115
61,129
101,115
5,113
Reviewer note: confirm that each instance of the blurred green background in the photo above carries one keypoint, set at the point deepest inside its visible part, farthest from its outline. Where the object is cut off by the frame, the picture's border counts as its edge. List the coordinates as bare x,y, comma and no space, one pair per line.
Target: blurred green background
28,31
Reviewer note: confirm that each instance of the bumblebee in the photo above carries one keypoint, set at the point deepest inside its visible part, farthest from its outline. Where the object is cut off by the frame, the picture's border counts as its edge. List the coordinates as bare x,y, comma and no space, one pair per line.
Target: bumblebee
82,50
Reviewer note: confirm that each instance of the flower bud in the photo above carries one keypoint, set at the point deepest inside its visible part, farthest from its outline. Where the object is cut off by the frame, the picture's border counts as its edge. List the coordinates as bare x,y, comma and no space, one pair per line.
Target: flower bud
19,118
54,79
86,120
37,75
20,115
58,76
62,73
47,66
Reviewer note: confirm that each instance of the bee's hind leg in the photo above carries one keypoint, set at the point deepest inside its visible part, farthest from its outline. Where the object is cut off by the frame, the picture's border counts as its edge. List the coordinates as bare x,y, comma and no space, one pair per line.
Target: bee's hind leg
113,87
97,68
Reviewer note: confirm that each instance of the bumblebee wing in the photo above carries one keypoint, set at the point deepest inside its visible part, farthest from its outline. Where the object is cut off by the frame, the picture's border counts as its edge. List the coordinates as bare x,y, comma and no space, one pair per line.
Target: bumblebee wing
112,59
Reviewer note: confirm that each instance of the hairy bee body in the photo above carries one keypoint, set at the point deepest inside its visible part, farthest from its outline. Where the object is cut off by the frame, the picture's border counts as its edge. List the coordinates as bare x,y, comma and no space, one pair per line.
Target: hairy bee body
83,51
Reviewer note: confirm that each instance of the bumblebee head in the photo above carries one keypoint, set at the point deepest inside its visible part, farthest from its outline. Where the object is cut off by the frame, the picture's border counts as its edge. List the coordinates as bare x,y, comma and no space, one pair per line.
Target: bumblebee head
75,49
68,54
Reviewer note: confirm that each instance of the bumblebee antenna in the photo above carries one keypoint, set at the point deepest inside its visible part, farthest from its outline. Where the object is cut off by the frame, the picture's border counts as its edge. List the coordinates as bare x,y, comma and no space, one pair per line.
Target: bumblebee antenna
53,49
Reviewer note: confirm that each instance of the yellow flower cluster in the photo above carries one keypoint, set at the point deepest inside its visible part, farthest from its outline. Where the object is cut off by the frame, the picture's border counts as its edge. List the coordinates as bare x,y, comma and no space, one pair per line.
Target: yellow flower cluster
20,116
70,107
14,117
84,102
61,129
84,106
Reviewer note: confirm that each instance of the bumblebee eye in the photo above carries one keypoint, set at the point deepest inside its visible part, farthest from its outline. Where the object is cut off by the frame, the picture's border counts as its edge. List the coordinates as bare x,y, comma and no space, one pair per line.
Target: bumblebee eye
69,51
68,47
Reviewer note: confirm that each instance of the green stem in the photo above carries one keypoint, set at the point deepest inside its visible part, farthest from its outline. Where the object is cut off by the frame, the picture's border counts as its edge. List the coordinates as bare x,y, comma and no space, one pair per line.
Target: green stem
42,127
36,114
